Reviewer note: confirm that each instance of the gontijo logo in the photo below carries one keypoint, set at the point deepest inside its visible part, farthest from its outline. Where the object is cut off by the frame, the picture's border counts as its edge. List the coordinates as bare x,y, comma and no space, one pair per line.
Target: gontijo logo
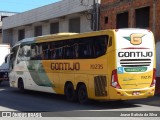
135,38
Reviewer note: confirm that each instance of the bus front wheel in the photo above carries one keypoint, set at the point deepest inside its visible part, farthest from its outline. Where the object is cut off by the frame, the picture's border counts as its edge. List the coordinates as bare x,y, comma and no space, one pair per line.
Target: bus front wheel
70,93
82,94
21,85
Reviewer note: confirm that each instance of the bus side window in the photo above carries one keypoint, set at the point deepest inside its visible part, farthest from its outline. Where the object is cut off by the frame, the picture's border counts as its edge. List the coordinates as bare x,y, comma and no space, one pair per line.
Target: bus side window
40,52
59,50
24,53
59,53
13,57
75,48
100,45
90,48
52,50
33,52
46,51
68,50
35,55
20,51
84,48
37,52
81,50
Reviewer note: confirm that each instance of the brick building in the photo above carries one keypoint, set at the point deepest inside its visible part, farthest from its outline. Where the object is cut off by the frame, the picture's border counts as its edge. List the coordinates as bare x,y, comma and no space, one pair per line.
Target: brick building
131,13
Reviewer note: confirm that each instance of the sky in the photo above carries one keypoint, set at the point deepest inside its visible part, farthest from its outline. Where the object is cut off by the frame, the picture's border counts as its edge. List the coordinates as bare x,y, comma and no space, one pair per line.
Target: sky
23,5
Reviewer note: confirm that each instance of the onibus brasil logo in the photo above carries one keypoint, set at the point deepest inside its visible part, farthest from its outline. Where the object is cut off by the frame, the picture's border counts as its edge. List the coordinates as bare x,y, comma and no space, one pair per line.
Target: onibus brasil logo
135,39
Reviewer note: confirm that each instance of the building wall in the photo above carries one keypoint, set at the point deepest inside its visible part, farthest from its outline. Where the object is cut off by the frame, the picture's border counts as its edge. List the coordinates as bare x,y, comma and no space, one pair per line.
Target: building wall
85,24
111,8
157,24
4,14
58,9
60,12
63,27
8,34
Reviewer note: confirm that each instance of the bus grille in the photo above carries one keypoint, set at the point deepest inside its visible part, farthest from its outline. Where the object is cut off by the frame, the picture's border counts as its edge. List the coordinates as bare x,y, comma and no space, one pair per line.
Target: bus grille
135,62
100,85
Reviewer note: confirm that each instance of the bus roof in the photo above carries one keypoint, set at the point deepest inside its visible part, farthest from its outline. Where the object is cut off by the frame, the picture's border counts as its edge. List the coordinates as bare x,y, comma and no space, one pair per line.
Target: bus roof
54,36
67,35
63,36
24,41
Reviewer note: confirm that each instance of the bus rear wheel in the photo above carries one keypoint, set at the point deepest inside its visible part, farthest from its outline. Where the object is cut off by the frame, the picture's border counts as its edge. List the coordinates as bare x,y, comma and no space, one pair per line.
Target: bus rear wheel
70,93
82,94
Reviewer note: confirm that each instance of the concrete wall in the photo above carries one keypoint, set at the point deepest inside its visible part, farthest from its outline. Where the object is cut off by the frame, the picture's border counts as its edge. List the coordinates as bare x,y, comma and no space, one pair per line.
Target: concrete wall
57,12
8,35
63,27
62,8
4,14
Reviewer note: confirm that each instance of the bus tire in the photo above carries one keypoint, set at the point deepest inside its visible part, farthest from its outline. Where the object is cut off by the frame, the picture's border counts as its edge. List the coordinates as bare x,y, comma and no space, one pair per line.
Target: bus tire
70,93
21,84
82,94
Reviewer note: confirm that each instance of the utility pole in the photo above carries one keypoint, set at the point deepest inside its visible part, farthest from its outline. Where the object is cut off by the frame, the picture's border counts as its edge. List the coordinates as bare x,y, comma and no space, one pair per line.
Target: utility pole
95,16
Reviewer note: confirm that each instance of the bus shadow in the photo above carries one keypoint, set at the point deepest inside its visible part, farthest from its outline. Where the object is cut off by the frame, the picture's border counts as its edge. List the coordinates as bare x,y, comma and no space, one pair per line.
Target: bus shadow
48,102
152,101
58,103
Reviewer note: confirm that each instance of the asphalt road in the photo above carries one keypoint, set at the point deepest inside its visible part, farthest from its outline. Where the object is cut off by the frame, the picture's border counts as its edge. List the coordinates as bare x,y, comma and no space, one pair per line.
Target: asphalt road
12,99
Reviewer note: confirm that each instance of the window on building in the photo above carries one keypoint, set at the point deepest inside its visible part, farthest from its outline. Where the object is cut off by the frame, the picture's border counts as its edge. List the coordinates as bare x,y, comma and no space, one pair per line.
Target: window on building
38,31
54,28
142,17
0,30
74,25
106,20
21,34
122,20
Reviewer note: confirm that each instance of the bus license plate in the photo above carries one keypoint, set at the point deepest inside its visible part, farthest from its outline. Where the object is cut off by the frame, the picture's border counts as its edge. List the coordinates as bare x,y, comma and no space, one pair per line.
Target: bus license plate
136,93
